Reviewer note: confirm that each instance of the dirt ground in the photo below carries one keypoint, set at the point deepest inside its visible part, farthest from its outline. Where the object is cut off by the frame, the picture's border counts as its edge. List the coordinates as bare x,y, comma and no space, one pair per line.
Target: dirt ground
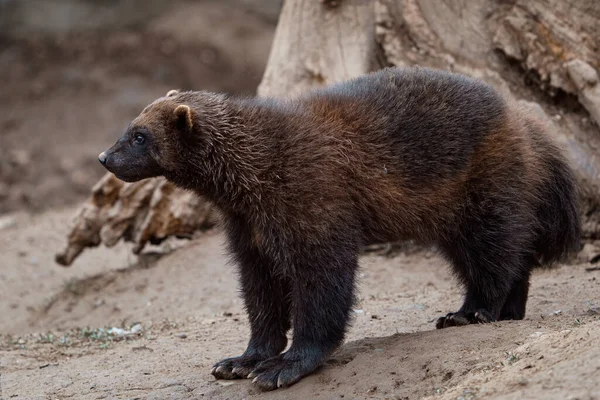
55,342
116,327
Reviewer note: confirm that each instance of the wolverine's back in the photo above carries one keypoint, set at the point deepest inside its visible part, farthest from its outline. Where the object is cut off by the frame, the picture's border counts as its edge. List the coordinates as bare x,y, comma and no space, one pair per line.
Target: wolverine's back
433,120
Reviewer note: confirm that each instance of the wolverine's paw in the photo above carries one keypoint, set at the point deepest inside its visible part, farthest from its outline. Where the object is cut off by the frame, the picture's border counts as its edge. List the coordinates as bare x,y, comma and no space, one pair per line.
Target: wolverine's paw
461,318
235,367
278,372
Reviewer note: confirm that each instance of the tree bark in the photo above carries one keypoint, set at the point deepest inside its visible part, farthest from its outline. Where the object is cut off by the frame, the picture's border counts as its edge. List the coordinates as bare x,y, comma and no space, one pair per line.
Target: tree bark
318,43
543,53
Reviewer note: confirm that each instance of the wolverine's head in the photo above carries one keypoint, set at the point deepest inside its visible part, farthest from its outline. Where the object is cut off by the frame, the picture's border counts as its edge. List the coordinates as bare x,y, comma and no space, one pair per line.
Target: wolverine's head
151,146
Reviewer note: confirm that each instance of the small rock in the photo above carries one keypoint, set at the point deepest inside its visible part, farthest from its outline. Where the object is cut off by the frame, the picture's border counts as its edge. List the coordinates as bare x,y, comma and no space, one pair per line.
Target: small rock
117,331
181,335
581,73
137,328
7,221
227,314
226,383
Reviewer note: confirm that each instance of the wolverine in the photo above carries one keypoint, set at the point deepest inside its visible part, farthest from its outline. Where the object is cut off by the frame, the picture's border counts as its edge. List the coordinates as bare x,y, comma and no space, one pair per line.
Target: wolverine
304,182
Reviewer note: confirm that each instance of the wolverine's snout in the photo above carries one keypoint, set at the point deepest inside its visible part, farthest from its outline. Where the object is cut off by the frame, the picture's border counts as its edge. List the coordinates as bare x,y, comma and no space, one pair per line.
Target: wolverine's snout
129,163
109,160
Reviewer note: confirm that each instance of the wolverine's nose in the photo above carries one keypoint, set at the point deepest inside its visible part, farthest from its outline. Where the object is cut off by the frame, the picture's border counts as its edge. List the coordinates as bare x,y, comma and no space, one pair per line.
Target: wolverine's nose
102,158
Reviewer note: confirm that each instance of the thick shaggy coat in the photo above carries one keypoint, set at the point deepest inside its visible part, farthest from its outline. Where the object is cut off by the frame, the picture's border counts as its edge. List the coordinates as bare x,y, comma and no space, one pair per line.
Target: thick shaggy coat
303,183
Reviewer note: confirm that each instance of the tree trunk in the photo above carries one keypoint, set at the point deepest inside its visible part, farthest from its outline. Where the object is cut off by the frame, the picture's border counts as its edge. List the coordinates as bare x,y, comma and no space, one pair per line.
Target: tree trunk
543,53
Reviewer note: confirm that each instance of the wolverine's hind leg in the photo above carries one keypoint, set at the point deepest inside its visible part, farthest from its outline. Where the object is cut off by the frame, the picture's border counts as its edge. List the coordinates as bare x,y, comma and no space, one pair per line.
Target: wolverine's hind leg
516,302
514,306
486,255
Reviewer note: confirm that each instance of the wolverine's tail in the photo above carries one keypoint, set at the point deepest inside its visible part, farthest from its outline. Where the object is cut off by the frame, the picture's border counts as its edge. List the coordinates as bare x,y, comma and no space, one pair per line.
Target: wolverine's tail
558,212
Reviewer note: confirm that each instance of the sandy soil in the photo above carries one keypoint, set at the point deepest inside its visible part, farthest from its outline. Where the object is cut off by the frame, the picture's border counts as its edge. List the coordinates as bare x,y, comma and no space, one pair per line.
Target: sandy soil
53,343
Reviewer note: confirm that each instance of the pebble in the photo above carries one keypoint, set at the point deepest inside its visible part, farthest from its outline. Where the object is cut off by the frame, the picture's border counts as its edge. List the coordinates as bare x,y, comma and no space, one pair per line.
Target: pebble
226,383
7,222
137,328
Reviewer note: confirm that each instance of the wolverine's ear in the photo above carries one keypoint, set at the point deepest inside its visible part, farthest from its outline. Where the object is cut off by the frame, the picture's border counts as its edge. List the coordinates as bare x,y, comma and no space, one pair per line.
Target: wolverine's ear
183,113
173,92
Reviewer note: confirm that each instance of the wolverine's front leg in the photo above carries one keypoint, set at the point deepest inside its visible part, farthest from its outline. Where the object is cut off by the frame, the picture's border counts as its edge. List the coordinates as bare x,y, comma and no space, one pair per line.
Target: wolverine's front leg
322,296
266,298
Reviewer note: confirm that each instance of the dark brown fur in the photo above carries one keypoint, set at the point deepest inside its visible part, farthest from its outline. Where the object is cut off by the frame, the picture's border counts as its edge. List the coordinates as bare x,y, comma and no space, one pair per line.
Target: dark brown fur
398,154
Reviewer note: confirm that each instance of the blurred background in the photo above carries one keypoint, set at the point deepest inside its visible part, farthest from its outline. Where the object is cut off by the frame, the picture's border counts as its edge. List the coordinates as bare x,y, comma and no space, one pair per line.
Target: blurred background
75,72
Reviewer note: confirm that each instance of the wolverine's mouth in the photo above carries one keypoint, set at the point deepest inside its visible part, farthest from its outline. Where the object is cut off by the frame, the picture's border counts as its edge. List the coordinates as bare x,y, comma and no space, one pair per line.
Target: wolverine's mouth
128,178
125,174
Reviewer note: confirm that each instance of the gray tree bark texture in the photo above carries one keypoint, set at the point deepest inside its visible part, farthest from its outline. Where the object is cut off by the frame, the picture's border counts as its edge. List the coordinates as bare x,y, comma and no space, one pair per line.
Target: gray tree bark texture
542,53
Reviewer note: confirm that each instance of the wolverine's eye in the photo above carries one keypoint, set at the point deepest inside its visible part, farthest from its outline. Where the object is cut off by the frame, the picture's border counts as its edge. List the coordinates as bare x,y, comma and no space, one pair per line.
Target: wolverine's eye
139,139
